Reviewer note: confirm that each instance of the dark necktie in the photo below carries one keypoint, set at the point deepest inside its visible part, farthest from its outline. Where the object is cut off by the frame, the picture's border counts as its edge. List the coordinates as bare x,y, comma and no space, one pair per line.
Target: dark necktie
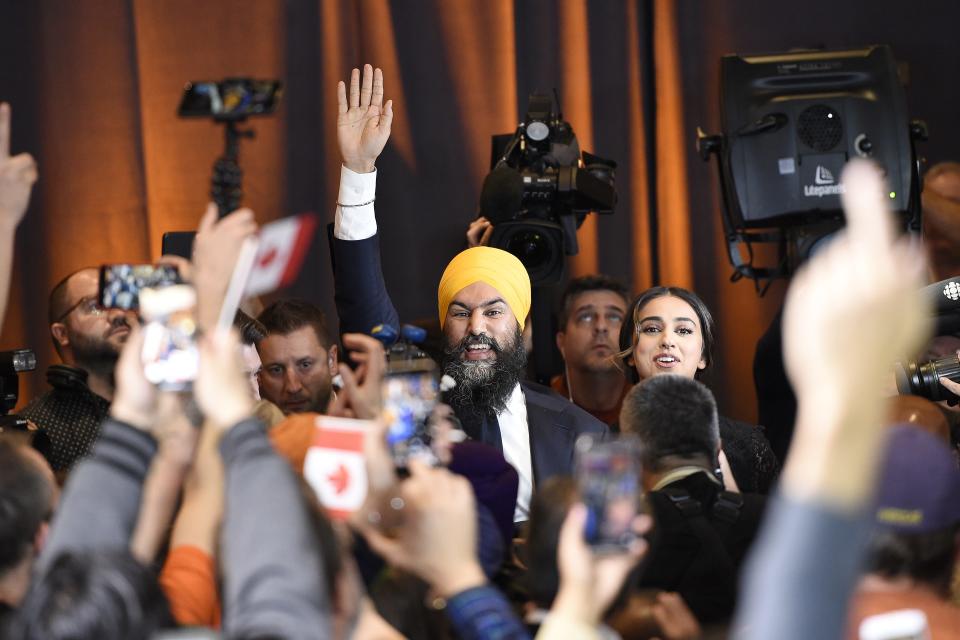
483,427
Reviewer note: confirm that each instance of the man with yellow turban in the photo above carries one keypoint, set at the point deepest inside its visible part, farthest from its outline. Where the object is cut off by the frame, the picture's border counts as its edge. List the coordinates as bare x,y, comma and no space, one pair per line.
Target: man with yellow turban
483,300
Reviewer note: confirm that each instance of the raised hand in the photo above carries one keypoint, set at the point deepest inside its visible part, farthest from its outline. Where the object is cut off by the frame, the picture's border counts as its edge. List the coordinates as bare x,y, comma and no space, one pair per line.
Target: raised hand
851,312
135,399
360,397
221,390
215,252
17,175
363,122
479,232
588,581
438,538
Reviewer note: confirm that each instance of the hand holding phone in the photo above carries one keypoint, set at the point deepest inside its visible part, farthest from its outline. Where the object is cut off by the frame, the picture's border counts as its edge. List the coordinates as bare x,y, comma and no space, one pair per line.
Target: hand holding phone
608,478
170,357
410,393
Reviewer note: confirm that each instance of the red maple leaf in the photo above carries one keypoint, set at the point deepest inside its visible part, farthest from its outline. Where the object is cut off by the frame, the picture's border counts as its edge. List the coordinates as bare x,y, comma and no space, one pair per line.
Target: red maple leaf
268,257
339,479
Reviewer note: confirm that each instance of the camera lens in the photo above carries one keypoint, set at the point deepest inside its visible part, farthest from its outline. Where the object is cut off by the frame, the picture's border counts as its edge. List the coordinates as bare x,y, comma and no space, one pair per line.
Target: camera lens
24,360
923,379
530,247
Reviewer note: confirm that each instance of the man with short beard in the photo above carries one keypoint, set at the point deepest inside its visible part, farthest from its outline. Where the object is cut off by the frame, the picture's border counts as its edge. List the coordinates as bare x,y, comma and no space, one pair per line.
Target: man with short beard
88,339
483,302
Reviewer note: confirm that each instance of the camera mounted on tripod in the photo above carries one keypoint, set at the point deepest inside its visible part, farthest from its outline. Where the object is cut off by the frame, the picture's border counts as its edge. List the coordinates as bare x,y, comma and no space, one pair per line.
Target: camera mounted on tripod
540,190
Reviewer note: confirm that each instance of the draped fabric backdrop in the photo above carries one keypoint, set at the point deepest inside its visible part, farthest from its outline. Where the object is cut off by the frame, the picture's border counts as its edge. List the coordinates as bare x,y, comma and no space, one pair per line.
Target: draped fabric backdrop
94,86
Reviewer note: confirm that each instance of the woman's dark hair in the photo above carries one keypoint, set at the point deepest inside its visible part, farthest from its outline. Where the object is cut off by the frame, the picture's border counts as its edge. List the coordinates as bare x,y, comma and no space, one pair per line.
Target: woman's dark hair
629,329
102,595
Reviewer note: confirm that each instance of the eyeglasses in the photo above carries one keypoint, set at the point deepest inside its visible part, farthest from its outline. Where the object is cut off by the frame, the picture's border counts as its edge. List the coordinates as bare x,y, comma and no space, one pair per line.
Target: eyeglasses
88,306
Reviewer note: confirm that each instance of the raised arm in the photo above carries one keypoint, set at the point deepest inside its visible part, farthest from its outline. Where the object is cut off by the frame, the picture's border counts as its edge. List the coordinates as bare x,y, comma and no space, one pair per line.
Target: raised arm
855,308
273,582
363,128
17,175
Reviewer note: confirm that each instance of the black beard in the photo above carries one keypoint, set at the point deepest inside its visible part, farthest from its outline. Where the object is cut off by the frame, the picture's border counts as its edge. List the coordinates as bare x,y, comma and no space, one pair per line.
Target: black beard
483,386
96,355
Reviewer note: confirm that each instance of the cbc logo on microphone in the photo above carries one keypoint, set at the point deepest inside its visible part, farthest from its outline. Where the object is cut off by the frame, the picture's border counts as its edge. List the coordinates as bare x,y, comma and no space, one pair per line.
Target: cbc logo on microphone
952,291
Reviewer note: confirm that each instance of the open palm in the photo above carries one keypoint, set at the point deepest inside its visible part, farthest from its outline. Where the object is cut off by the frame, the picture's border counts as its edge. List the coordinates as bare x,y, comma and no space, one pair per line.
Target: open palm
363,122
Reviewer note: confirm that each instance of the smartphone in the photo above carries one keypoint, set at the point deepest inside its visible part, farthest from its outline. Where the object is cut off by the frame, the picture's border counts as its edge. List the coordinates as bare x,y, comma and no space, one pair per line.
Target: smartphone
120,284
178,243
608,479
170,358
410,391
230,99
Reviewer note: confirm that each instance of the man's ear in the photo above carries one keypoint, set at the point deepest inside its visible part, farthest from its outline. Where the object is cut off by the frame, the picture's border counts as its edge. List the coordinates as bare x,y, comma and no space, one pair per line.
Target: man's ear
332,357
561,338
59,332
40,538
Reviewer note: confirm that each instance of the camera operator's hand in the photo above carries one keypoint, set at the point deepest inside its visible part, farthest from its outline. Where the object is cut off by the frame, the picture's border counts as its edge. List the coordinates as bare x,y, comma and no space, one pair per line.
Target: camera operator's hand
363,123
852,310
135,399
17,175
215,252
360,396
479,232
221,390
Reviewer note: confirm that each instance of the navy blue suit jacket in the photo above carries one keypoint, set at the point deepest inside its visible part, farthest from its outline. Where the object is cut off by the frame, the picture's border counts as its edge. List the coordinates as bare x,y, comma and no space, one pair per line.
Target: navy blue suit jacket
363,302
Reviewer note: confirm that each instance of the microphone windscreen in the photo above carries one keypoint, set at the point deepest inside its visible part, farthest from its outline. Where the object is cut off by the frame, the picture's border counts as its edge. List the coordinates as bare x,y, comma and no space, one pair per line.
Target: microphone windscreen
502,194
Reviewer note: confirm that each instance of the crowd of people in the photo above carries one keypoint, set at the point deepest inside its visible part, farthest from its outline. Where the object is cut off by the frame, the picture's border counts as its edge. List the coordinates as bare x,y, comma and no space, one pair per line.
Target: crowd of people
129,511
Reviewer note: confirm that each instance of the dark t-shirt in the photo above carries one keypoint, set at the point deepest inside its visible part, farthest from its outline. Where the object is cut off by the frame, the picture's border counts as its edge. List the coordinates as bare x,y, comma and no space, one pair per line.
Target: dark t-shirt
69,415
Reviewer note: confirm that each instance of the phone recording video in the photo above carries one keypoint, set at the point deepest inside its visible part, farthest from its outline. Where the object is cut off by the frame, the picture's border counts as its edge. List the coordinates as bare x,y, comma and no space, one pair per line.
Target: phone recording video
608,479
170,358
410,391
120,284
231,99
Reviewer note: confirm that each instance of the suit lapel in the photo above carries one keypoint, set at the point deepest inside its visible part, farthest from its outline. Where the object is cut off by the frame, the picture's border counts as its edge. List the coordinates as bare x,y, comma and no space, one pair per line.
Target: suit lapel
551,441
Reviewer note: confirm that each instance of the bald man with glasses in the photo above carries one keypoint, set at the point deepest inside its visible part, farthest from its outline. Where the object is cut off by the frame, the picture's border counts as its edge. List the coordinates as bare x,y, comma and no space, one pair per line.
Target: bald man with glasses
88,339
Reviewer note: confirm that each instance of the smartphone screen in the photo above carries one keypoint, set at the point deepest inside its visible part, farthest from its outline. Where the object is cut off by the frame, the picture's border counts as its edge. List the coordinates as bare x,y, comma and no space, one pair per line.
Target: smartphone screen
608,478
233,98
409,397
120,284
170,357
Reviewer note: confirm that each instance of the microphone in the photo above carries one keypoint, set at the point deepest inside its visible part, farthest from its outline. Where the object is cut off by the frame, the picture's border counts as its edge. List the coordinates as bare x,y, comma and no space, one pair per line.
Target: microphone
502,194
944,296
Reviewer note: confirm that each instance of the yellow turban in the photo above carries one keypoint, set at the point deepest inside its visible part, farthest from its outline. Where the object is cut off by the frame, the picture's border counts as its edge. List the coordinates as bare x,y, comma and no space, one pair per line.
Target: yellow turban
501,270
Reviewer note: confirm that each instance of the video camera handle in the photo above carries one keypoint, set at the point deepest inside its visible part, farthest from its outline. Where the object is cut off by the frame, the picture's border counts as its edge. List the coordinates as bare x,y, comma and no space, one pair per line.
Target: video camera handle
226,185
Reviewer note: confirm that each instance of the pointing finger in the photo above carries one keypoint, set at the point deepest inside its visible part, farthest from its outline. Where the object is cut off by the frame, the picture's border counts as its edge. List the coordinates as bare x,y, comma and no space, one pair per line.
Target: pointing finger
870,224
4,131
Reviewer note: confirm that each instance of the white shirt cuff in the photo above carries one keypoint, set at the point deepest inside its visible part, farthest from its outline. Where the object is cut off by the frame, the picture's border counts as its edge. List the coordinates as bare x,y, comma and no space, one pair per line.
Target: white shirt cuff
356,222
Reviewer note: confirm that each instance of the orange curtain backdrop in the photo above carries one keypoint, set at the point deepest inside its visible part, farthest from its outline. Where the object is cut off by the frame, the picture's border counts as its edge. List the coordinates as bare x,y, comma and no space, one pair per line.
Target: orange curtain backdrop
178,40
673,211
118,168
642,263
575,96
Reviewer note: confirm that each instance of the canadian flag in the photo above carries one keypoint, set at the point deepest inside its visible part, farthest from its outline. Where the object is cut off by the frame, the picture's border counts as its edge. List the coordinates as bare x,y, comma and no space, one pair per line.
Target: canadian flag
281,248
335,467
